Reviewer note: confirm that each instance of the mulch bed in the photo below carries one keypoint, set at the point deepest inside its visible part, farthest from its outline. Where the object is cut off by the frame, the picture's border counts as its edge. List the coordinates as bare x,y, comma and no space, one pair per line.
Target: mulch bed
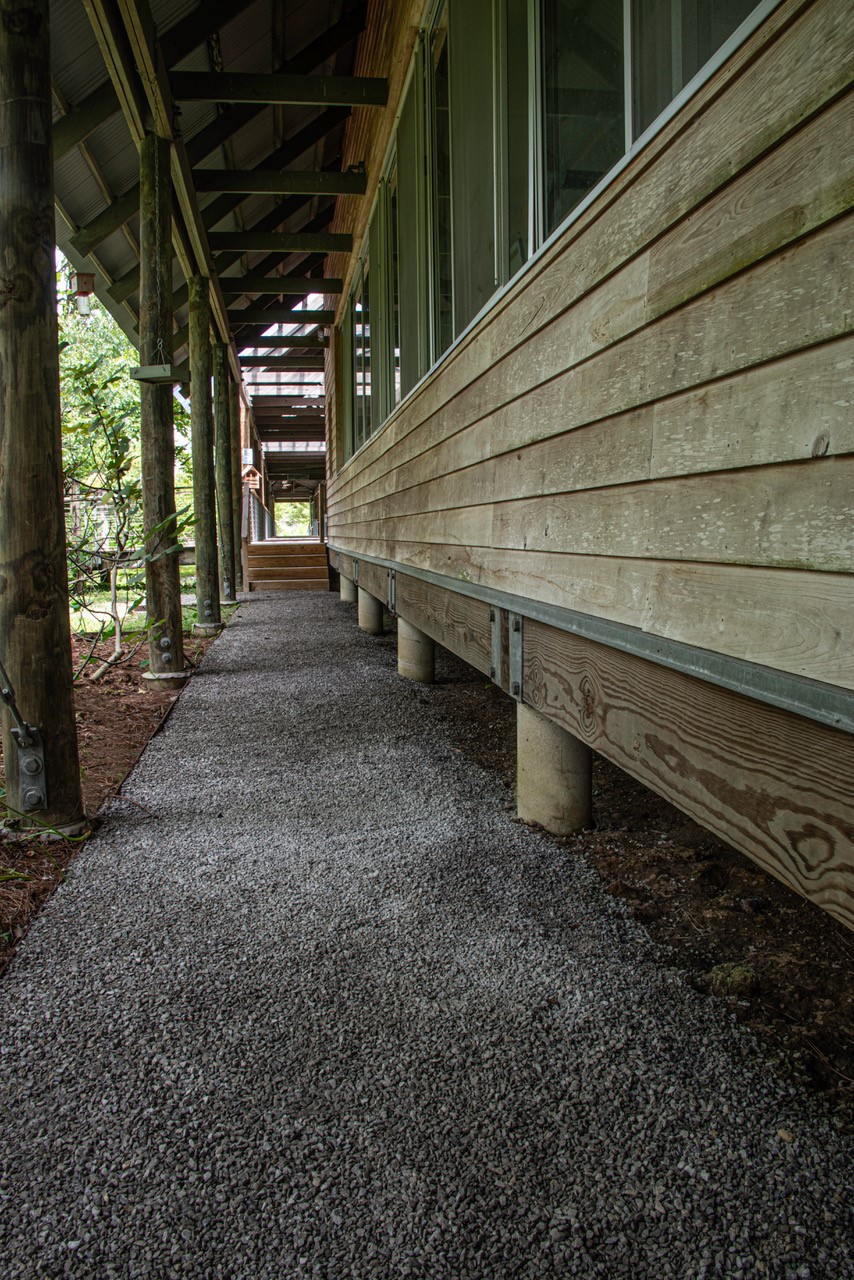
116,717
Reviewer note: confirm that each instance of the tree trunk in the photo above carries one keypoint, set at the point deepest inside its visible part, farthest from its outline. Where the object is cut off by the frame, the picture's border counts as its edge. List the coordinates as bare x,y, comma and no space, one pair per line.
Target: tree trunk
204,489
157,441
35,639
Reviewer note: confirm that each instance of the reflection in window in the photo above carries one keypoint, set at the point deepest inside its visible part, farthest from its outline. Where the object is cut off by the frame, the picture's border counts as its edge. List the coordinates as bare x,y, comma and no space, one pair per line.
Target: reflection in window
442,175
395,285
362,362
583,125
671,41
518,134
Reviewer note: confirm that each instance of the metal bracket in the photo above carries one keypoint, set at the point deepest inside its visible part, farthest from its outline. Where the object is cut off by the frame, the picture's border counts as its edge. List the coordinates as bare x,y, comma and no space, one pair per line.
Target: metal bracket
515,656
392,591
356,571
31,768
495,624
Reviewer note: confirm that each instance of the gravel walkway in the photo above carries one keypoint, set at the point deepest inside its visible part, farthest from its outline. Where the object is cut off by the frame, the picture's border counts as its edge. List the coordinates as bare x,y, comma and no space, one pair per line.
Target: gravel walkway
331,1013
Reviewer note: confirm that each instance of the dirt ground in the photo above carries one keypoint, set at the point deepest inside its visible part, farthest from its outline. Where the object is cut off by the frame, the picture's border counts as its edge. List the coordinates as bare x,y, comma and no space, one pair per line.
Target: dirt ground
116,716
785,967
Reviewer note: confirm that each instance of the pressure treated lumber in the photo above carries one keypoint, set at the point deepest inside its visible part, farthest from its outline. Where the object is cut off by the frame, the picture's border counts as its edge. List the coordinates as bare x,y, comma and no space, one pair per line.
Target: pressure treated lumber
238,286
224,501
278,182
280,241
35,641
202,428
319,91
157,446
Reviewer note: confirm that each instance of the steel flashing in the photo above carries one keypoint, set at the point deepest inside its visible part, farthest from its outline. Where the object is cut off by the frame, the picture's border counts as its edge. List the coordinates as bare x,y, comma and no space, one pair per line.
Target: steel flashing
827,704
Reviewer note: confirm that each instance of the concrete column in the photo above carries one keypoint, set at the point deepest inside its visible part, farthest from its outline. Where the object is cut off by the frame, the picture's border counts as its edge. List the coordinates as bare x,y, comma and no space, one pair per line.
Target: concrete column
35,644
416,653
370,613
348,590
553,786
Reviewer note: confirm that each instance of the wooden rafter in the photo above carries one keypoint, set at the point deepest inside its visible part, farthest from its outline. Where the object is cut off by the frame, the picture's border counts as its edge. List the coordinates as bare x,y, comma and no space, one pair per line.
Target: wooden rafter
238,286
287,90
278,182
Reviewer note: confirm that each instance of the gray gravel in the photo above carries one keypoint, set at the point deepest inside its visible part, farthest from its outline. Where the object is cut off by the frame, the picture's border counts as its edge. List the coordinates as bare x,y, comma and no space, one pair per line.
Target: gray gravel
331,1013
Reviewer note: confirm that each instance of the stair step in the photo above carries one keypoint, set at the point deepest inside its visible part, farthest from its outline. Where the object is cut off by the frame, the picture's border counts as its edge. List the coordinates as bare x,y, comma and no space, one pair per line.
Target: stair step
288,562
285,574
309,584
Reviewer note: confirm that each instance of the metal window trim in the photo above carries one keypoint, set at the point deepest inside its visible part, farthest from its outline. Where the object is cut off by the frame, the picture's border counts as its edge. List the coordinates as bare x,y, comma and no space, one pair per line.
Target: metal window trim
826,704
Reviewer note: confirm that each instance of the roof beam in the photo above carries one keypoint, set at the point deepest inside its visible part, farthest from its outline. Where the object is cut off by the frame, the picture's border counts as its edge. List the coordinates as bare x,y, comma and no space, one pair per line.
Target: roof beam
275,182
75,127
279,89
295,364
279,315
281,241
237,286
290,150
197,26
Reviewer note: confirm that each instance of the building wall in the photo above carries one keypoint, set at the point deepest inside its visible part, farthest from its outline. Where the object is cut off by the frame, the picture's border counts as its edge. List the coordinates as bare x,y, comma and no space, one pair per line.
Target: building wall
653,427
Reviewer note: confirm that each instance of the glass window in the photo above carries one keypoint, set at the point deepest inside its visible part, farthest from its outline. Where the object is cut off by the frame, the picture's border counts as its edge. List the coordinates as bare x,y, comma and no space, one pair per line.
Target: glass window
583,113
671,41
394,283
362,361
444,311
518,133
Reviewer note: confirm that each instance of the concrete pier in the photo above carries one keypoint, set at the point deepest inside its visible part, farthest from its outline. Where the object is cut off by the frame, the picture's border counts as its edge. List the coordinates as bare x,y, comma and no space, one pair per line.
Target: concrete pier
553,774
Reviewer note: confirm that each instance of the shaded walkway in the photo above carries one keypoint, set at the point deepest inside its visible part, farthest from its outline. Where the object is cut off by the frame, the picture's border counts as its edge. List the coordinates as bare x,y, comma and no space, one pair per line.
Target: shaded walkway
331,1013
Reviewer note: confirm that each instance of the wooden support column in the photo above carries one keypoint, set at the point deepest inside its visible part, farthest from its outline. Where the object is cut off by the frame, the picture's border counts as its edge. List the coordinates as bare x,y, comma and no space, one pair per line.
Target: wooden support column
236,481
204,488
225,508
157,440
35,641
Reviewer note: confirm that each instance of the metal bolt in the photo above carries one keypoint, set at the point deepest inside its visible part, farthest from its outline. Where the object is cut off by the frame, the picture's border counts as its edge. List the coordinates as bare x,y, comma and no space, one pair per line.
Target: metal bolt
167,657
492,673
492,615
517,624
515,688
32,765
165,642
33,798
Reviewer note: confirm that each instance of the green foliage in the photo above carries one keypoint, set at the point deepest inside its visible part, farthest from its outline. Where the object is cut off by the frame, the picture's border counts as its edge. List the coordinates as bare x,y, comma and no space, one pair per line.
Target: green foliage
292,519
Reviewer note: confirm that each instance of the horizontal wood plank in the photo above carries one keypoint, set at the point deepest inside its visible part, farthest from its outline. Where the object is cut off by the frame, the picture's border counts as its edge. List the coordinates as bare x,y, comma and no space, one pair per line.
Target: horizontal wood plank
786,619
776,787
456,622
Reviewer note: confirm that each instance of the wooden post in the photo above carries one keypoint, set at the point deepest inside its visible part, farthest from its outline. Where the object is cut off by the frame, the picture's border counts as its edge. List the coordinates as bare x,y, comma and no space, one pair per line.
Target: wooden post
204,488
157,442
35,639
236,481
225,508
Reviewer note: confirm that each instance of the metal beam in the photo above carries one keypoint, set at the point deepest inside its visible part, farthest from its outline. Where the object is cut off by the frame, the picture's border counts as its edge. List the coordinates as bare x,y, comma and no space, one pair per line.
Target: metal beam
284,90
275,182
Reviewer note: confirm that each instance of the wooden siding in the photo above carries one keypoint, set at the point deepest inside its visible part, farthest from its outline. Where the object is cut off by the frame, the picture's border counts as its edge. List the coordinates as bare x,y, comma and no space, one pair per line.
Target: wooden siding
654,426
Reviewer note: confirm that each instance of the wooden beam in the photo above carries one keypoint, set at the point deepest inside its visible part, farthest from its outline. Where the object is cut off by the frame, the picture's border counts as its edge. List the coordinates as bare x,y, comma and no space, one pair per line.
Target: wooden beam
278,89
34,619
106,222
157,446
225,507
276,182
202,433
198,26
239,286
307,342
281,242
291,150
279,315
296,364
76,126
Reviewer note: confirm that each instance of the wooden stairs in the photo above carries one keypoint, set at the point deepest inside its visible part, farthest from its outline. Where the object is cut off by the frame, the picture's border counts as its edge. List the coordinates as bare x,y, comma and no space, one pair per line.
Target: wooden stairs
287,565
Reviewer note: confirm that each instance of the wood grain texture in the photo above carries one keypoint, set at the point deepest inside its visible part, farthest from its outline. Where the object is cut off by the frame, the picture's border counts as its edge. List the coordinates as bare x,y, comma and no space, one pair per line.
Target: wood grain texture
799,407
776,787
373,578
456,622
786,619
